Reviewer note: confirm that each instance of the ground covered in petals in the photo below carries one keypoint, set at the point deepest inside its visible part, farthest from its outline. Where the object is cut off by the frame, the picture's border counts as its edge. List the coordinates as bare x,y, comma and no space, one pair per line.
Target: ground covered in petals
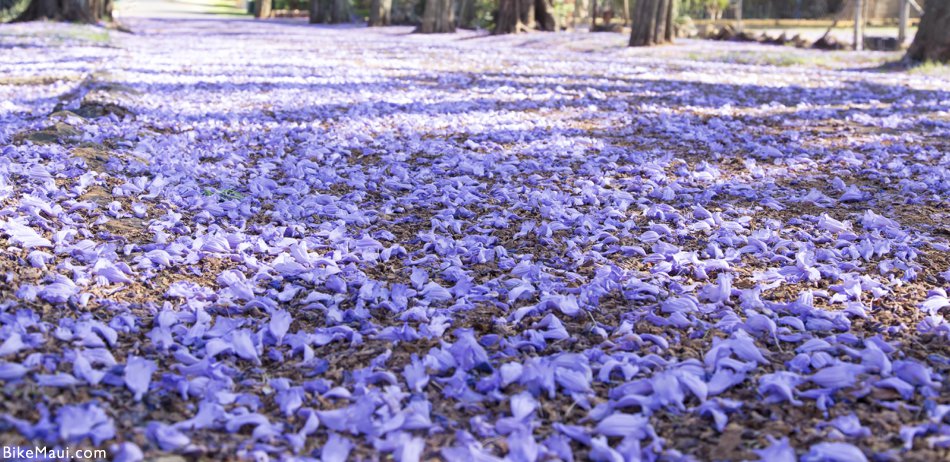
228,238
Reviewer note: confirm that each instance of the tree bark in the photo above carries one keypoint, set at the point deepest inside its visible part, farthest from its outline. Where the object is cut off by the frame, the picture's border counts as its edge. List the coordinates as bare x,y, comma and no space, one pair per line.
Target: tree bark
329,11
904,13
653,23
544,16
858,25
262,8
593,14
516,16
660,26
314,11
932,42
67,10
509,17
380,12
467,14
668,29
739,15
526,13
438,17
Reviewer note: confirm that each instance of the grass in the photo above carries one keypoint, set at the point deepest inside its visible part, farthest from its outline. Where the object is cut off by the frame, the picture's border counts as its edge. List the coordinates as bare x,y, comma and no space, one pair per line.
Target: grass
222,7
781,59
789,57
173,8
14,11
927,69
804,23
930,68
86,34
63,34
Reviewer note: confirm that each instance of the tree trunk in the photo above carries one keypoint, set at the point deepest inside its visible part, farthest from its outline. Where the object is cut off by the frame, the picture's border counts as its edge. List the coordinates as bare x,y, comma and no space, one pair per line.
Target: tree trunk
653,23
340,12
107,9
438,17
509,17
380,12
858,25
904,13
67,10
593,14
544,15
516,16
664,21
526,13
467,14
672,12
932,42
315,11
262,8
329,11
739,15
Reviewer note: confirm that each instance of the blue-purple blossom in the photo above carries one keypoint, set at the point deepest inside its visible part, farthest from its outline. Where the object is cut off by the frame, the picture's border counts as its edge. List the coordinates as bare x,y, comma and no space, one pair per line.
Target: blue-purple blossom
127,452
79,422
336,449
777,451
167,437
138,375
11,371
834,452
626,425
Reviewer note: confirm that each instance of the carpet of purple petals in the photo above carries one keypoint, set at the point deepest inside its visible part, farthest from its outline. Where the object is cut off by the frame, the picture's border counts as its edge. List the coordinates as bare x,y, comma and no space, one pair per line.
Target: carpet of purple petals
232,239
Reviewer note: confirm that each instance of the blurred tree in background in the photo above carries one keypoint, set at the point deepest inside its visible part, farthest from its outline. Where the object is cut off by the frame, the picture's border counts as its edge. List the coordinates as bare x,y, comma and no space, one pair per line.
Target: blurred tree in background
380,13
83,11
438,17
330,11
711,9
932,42
653,22
524,15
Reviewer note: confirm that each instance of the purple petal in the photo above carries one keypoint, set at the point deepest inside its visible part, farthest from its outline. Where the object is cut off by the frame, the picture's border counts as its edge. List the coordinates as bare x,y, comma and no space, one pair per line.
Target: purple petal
840,376
60,380
23,235
138,375
416,376
336,449
244,345
625,425
167,437
12,344
11,371
58,292
127,452
85,421
778,451
280,324
834,452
